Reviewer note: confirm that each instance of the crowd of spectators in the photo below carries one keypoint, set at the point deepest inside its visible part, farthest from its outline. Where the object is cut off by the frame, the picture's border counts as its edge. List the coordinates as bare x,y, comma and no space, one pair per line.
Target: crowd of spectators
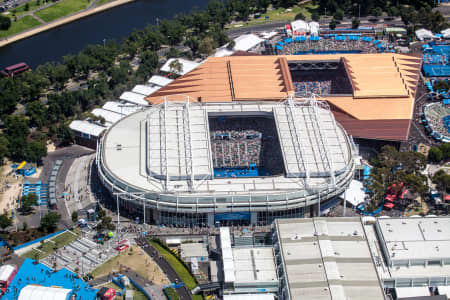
304,88
329,45
237,142
435,59
435,114
321,82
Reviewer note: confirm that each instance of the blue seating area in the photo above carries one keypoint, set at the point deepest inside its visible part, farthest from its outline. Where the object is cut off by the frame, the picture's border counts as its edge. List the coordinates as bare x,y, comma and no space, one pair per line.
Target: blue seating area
446,121
39,274
38,188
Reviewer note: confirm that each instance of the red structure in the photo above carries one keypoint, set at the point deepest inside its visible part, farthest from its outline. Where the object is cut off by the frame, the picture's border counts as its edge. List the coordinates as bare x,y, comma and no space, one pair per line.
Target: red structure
394,192
106,293
7,274
15,70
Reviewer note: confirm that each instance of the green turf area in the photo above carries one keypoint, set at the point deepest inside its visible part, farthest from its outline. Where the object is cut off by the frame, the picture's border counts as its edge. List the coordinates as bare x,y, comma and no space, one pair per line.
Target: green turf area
20,25
138,295
47,248
20,10
101,2
61,9
172,294
278,15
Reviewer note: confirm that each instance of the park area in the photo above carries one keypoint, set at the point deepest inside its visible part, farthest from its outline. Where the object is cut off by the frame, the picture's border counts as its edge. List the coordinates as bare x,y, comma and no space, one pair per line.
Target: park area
278,14
135,259
61,9
47,248
137,295
20,25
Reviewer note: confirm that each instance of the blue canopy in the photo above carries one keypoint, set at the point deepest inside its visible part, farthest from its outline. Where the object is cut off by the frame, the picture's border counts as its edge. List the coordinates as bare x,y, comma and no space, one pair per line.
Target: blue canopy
446,101
288,40
279,47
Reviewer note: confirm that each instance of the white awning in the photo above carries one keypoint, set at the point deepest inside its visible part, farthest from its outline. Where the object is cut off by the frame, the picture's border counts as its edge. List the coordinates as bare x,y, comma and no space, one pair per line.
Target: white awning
422,34
145,90
246,42
186,66
86,127
159,80
300,25
37,292
134,98
123,109
109,116
259,296
407,292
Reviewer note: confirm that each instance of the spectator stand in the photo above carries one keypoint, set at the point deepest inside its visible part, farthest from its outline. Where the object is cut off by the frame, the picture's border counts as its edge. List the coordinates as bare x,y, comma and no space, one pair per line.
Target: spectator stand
436,120
436,60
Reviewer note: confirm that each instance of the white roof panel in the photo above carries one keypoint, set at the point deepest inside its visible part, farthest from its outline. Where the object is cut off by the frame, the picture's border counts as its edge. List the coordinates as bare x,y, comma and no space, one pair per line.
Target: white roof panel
109,116
86,127
159,80
258,296
246,42
134,98
407,292
187,65
355,192
121,108
144,90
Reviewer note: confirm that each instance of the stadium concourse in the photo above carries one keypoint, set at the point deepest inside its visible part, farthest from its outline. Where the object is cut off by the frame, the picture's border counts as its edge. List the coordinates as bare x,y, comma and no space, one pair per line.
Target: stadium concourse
228,163
437,121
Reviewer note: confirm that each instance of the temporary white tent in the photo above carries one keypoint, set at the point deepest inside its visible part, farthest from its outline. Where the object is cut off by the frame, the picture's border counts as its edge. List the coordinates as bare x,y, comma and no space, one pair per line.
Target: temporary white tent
300,26
187,66
134,98
423,34
246,42
446,33
37,292
314,28
144,90
354,194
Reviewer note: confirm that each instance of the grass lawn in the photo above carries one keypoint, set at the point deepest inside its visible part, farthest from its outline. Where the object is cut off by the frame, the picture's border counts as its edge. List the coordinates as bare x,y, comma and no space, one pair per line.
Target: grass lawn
172,294
61,9
48,247
101,2
278,15
20,25
181,270
139,262
20,10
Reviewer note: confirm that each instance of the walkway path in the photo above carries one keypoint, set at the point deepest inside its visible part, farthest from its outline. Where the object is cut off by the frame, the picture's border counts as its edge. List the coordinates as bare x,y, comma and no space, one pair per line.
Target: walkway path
37,18
36,10
183,291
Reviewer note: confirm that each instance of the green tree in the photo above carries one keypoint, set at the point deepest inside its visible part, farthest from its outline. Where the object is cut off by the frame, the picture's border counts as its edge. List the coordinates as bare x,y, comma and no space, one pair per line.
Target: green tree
27,7
5,221
315,16
176,67
231,45
27,201
300,16
74,217
207,46
332,24
435,155
5,22
3,148
441,85
339,14
149,62
24,226
35,151
355,23
50,221
16,132
65,135
442,181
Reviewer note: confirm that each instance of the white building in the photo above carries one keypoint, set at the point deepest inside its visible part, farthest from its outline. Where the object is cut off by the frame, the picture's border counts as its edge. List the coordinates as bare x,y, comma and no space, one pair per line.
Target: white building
37,292
424,34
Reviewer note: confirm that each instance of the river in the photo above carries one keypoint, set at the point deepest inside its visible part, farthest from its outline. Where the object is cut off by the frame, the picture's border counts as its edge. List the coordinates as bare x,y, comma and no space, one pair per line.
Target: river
113,24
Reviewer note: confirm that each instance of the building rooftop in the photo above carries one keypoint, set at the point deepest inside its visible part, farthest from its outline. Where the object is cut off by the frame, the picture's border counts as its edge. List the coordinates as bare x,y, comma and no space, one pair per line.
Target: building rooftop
383,87
254,265
172,142
406,240
327,258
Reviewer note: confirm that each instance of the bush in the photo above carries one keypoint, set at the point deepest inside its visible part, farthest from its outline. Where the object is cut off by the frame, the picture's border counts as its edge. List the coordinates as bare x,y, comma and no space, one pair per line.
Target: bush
300,16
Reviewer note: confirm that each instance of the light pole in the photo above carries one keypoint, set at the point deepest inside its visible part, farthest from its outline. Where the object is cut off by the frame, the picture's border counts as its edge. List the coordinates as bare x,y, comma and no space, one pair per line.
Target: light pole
104,43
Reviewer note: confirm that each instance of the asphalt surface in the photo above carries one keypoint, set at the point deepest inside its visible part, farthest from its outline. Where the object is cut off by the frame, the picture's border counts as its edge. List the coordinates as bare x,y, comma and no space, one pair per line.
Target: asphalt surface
183,291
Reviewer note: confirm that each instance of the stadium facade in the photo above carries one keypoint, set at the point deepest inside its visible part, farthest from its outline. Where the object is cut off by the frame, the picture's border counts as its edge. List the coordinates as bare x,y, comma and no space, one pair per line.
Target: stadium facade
244,162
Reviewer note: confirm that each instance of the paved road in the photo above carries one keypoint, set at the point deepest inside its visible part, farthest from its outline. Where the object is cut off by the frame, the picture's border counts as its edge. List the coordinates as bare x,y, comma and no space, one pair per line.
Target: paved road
183,292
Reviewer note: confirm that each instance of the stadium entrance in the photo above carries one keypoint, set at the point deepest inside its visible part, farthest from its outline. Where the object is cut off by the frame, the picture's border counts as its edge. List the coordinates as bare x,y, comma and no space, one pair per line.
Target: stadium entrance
245,146
323,78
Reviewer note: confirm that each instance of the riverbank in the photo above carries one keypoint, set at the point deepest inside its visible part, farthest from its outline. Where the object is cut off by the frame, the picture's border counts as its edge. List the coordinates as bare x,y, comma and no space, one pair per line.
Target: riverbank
62,21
